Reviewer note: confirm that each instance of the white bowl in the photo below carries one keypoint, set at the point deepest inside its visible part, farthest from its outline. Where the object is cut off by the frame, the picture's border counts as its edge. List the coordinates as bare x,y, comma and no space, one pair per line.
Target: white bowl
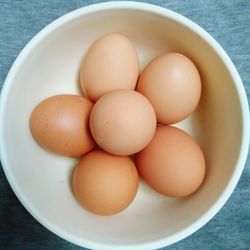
49,65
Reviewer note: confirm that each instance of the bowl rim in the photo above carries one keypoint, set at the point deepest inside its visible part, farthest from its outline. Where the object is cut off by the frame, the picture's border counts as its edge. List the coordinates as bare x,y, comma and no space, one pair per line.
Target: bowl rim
164,12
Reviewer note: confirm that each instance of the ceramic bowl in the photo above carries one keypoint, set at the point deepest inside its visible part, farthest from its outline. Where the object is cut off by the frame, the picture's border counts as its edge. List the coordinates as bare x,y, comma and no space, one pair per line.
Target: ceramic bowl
49,65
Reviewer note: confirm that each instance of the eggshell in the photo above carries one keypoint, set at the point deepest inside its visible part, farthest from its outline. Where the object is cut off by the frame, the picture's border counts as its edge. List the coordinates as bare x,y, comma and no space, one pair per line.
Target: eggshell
173,163
105,184
111,63
123,122
172,84
61,124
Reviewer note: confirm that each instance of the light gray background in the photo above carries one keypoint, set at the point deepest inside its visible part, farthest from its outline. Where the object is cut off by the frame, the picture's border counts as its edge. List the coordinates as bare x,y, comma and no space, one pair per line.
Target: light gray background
227,21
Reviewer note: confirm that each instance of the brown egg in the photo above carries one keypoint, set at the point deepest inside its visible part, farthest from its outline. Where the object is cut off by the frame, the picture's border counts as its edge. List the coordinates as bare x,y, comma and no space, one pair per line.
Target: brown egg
105,184
173,163
111,63
61,124
172,84
123,122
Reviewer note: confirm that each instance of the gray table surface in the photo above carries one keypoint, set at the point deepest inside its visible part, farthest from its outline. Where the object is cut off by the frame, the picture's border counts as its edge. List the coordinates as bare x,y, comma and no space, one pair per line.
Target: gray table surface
227,21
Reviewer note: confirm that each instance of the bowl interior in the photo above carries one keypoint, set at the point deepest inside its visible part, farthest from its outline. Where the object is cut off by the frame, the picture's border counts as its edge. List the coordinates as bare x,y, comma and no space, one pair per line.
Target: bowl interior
51,66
